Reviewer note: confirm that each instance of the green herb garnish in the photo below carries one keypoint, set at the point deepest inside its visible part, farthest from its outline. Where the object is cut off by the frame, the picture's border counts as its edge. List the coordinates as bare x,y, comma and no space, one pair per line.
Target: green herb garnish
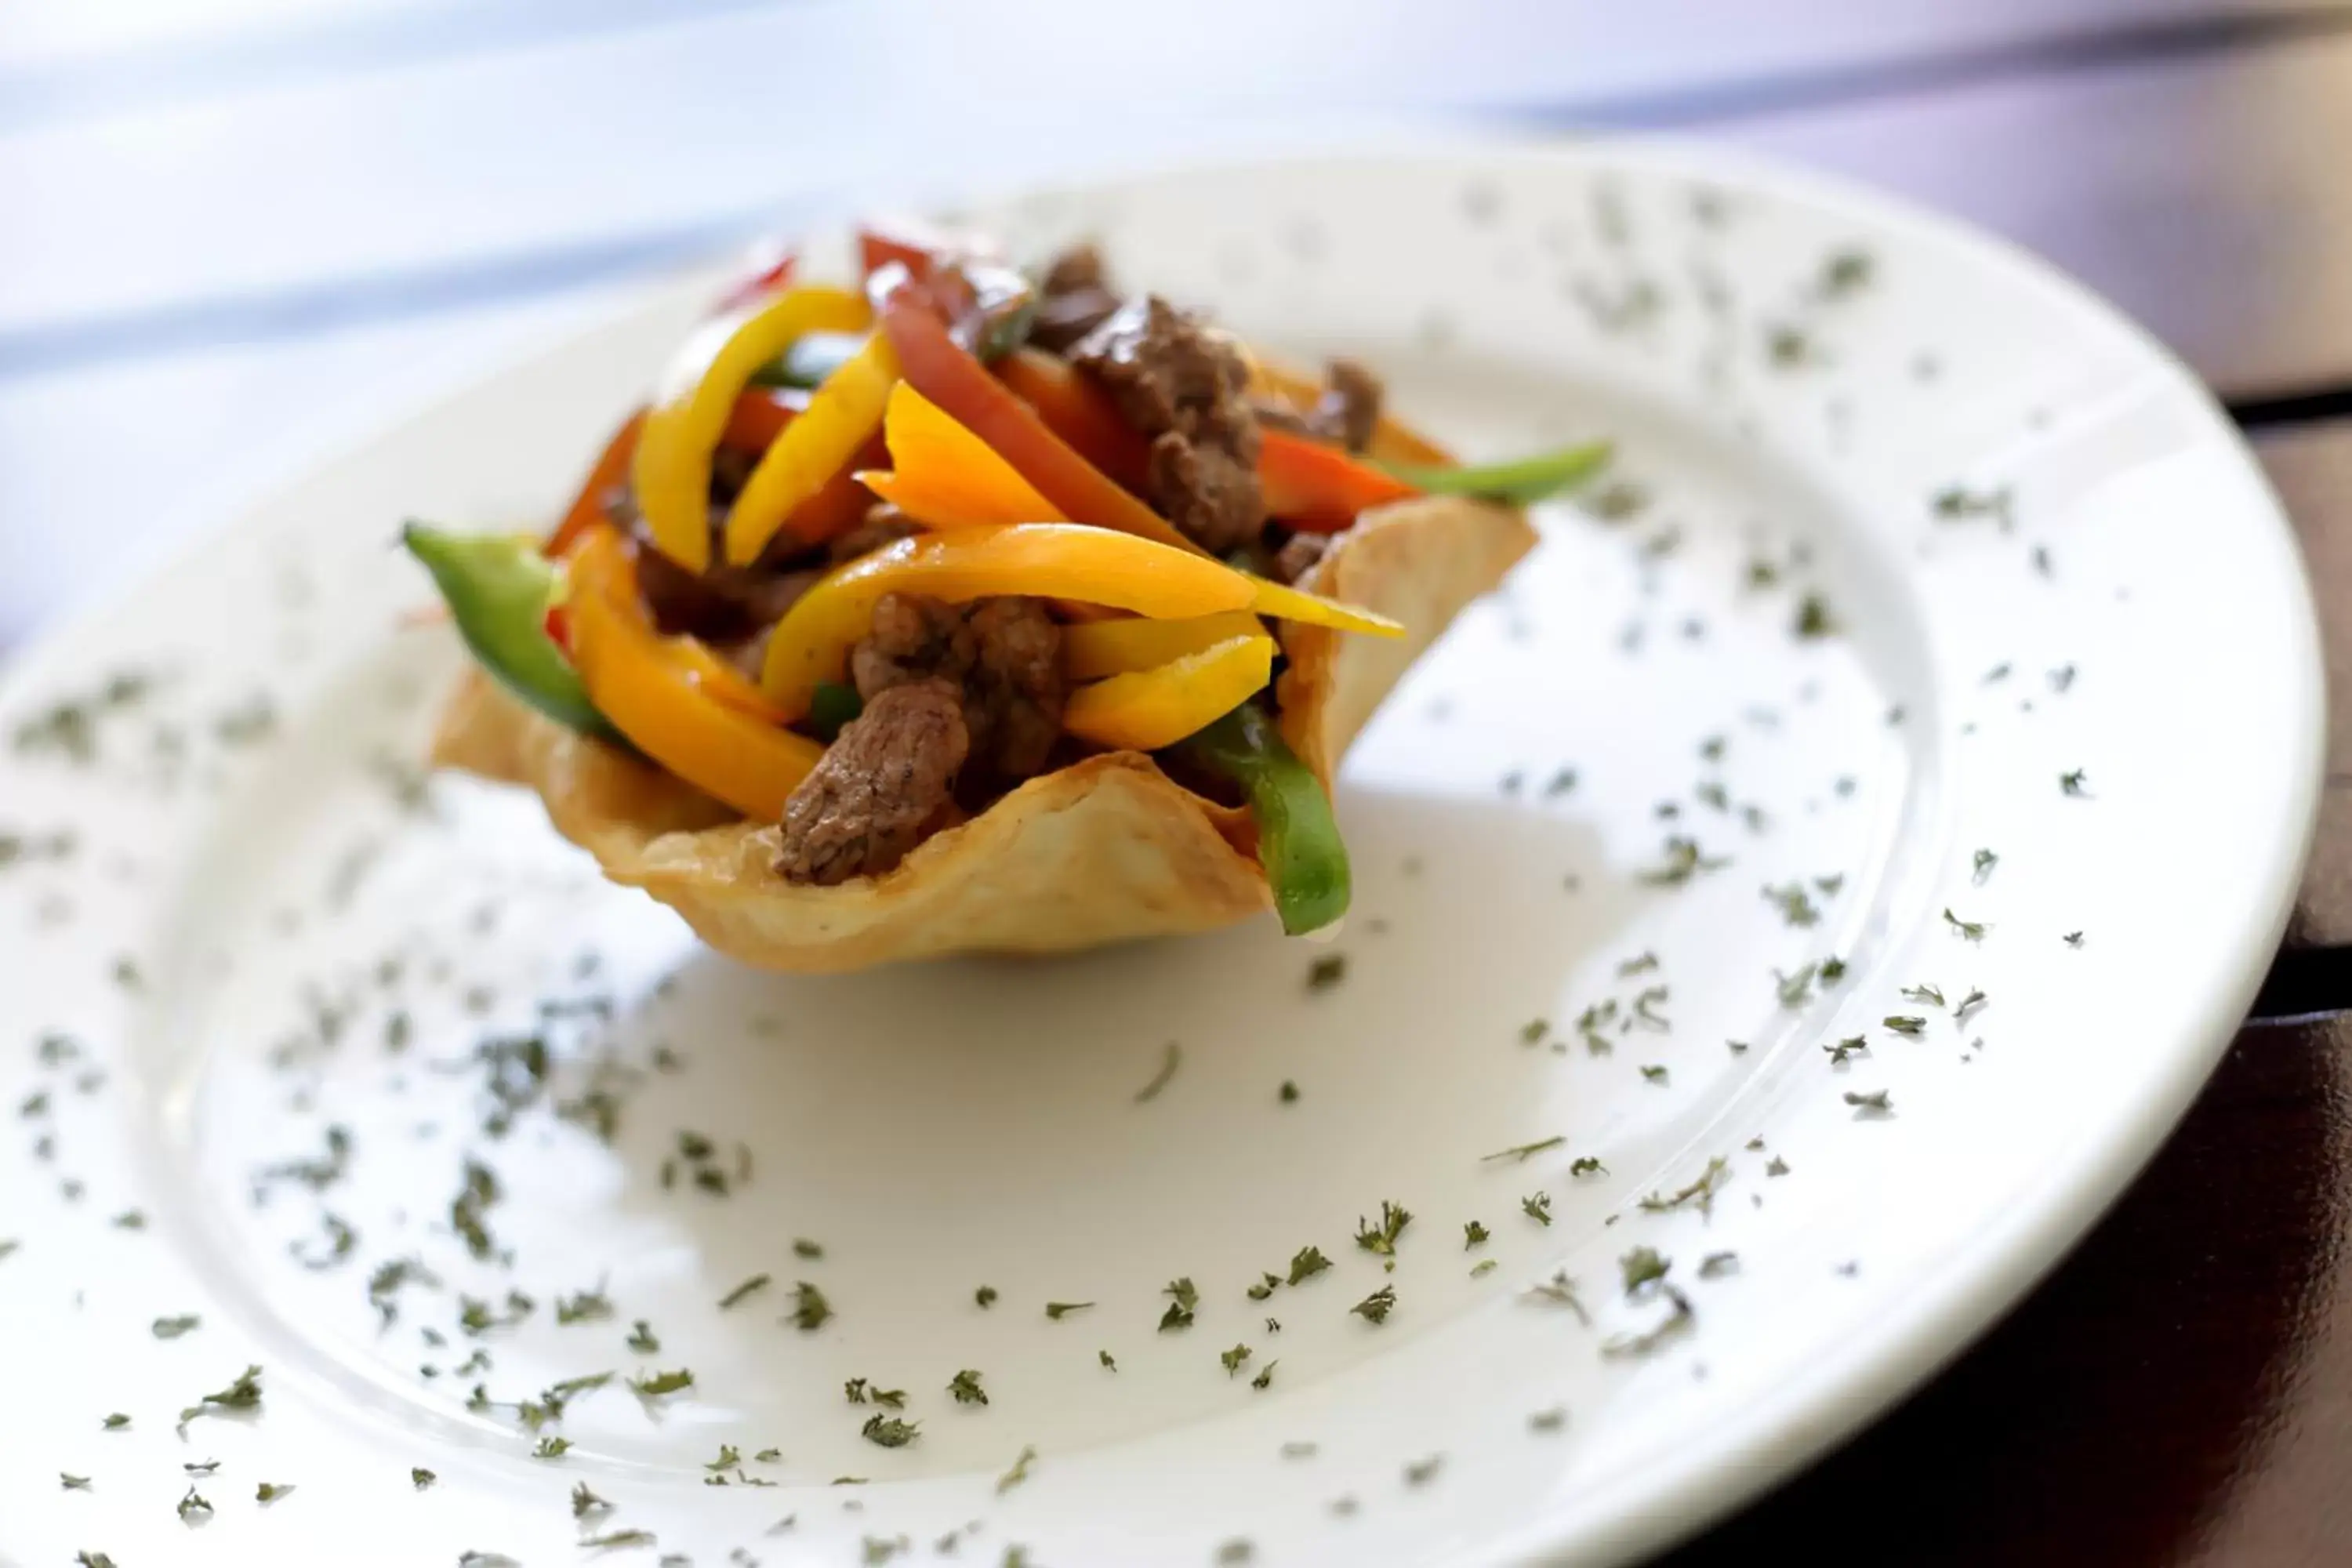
810,1309
1183,1299
1018,1473
1172,1054
889,1431
1381,1240
1057,1310
1377,1306
965,1386
745,1291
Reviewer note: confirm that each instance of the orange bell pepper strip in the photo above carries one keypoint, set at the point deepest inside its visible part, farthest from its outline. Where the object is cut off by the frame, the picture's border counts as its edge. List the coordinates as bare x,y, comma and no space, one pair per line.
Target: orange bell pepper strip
1154,708
1098,649
611,471
1055,559
666,695
1391,442
841,415
1320,488
952,377
671,470
943,476
1078,411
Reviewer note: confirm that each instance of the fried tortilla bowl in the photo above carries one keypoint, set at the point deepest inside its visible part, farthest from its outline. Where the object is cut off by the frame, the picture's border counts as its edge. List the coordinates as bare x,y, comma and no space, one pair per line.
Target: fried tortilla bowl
1105,850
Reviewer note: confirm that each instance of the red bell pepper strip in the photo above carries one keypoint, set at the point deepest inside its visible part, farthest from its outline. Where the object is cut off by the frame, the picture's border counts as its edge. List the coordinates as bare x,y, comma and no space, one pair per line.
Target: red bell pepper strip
611,472
949,376
760,415
1320,488
1078,411
912,243
767,279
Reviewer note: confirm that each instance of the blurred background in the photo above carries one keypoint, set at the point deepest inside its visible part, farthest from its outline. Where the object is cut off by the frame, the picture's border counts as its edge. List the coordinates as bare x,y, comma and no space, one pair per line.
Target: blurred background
233,233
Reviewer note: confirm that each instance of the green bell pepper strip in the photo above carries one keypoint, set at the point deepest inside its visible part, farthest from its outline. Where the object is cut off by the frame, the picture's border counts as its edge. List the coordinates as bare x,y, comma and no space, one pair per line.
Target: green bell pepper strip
498,589
832,708
1522,482
1299,842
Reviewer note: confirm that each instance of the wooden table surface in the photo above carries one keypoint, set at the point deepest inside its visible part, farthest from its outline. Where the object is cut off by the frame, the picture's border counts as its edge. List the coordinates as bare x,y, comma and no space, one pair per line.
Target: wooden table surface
242,230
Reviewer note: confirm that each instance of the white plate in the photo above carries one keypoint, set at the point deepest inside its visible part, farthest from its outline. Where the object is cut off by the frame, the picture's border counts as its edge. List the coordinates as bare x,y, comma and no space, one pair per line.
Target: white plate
267,927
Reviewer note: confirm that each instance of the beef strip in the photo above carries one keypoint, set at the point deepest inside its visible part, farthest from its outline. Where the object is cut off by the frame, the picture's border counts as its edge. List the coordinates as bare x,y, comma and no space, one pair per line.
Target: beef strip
1349,409
1075,298
1299,556
1004,656
725,604
887,779
1079,268
1184,385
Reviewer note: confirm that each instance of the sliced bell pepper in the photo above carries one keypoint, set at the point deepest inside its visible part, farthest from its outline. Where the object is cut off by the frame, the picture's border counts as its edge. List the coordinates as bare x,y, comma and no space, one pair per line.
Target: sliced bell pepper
1057,559
1148,709
1078,411
949,376
912,242
612,471
661,696
500,590
943,476
841,415
1522,482
1271,598
763,278
760,415
1298,841
1098,649
844,501
1318,488
1391,442
671,469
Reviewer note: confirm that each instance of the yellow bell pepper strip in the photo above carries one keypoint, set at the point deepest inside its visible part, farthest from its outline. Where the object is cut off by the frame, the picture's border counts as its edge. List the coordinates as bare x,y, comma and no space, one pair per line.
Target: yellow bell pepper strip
1271,598
1319,488
1299,842
664,699
500,590
840,416
1522,482
943,476
1051,559
1148,709
944,371
671,470
1098,649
